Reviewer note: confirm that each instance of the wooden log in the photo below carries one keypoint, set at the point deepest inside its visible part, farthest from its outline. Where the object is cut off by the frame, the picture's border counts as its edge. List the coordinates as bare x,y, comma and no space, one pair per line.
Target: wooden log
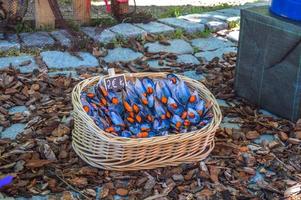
81,11
43,15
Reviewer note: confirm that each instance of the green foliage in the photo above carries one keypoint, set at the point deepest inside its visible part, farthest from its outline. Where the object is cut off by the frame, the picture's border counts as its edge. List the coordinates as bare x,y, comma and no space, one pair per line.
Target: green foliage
23,27
195,50
178,34
119,41
106,22
12,52
233,24
177,11
45,28
202,34
65,1
73,25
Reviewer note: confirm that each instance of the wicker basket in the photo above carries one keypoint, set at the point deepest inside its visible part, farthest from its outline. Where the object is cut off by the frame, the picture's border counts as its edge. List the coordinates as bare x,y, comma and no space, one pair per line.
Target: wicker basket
106,151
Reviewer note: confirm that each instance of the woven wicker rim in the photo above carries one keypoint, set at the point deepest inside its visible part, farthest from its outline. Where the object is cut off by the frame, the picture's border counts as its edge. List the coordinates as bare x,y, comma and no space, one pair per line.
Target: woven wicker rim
115,140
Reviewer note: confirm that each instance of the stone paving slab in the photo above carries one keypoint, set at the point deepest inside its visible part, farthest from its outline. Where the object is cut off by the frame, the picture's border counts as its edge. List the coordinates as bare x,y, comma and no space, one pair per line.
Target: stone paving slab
188,26
230,11
17,62
13,38
233,123
211,43
188,59
176,46
127,30
233,36
66,73
9,42
97,35
6,45
193,75
17,109
197,18
64,60
216,25
207,56
63,37
155,27
122,55
12,131
36,39
156,66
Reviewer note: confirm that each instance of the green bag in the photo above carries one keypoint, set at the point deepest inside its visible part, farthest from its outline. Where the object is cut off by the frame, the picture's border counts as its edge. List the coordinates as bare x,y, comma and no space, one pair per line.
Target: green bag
268,71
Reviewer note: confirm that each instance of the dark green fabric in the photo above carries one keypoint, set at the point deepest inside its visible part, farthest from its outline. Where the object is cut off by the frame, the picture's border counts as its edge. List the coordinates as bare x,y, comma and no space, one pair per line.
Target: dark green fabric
268,71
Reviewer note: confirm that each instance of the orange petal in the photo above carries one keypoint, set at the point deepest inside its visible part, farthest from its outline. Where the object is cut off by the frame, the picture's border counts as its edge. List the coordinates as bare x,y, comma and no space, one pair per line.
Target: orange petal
150,90
136,108
174,105
191,115
138,118
144,101
178,124
149,118
164,100
103,101
103,91
90,95
131,120
132,114
142,135
115,100
86,108
110,129
144,129
192,99
168,115
184,115
127,106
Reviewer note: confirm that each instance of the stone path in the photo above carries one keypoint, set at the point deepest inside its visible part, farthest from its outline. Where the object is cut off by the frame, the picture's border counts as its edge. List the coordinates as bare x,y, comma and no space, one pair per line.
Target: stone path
59,62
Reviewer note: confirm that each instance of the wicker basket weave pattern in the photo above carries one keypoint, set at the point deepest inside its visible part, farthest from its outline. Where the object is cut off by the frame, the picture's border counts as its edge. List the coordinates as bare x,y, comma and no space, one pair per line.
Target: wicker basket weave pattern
104,150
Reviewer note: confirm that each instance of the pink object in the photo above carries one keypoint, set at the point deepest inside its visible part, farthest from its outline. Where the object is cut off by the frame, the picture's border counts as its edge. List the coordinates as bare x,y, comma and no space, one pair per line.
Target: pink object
122,1
108,7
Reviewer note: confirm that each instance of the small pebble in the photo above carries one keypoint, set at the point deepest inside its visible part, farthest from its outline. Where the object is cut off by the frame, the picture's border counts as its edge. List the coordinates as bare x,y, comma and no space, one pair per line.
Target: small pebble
178,177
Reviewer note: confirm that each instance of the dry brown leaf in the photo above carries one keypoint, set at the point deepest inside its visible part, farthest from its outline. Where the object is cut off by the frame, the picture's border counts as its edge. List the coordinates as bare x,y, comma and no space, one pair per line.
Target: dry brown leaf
79,182
104,192
122,191
251,135
205,193
48,153
214,171
67,196
37,163
88,171
283,136
61,130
